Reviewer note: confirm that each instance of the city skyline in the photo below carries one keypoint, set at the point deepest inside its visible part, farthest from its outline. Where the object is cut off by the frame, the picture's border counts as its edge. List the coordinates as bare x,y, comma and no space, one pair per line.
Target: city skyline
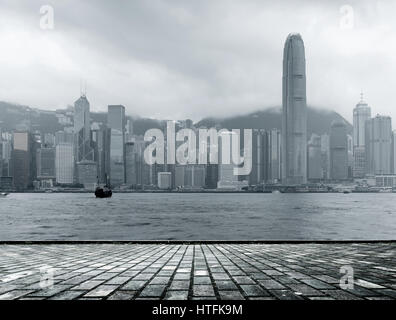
100,150
212,71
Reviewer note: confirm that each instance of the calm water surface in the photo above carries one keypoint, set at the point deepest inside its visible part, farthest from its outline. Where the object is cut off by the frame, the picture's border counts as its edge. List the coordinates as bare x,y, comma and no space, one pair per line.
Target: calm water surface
151,216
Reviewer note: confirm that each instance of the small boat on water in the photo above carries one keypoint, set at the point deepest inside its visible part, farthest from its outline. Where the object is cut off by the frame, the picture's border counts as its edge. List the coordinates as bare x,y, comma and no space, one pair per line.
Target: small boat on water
103,191
3,194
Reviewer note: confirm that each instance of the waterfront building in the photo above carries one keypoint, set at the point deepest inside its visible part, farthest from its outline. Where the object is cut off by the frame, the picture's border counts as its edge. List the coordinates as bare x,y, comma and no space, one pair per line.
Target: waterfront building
82,131
361,113
338,151
64,163
116,124
294,112
378,142
314,158
325,158
46,163
274,156
259,172
23,160
164,180
87,174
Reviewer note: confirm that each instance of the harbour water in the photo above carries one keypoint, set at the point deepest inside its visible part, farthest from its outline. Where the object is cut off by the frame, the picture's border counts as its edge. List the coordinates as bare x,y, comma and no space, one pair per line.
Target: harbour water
198,216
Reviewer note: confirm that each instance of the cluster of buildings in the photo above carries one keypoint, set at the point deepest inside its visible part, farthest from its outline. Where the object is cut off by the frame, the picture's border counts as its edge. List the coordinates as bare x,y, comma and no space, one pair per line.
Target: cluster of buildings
86,153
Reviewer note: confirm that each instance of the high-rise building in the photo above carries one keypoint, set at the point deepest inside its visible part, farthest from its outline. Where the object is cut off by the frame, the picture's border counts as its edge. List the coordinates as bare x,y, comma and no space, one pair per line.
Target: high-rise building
164,180
350,155
294,112
64,163
116,124
87,174
101,143
129,130
194,176
314,158
325,150
180,171
65,136
274,156
130,163
378,142
259,172
23,160
361,113
82,131
46,163
393,162
338,151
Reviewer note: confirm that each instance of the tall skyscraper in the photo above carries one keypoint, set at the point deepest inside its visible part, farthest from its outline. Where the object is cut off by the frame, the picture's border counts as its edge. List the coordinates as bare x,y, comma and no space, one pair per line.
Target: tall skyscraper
314,158
361,113
394,151
23,160
259,173
130,163
116,124
101,142
294,117
378,142
338,151
82,130
64,163
325,150
46,163
274,156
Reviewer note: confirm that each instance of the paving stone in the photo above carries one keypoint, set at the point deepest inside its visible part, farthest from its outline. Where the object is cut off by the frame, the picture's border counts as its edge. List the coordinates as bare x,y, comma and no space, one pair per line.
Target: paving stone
285,295
202,280
231,295
305,290
271,284
154,271
101,291
134,285
176,295
254,291
203,290
155,290
225,285
122,295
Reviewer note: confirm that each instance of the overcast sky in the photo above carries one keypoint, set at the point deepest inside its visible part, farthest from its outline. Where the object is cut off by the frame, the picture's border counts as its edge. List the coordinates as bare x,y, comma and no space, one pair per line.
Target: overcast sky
191,59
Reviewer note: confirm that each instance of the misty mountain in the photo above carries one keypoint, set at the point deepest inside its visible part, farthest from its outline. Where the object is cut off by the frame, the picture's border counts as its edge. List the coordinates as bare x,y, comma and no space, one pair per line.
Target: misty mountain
14,116
319,121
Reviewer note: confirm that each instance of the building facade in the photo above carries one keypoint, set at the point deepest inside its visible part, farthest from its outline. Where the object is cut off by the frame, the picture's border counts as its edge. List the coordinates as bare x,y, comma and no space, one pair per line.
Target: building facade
116,124
361,113
338,151
64,163
294,112
378,142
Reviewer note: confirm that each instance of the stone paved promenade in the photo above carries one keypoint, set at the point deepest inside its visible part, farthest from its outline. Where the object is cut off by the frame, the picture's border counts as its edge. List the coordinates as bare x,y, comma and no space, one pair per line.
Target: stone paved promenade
196,271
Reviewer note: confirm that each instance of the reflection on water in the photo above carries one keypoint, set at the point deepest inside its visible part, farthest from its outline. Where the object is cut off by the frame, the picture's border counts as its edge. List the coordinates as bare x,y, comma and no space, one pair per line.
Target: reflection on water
149,216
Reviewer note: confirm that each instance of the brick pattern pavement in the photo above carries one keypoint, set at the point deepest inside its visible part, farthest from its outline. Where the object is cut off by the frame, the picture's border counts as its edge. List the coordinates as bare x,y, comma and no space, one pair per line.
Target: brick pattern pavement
197,271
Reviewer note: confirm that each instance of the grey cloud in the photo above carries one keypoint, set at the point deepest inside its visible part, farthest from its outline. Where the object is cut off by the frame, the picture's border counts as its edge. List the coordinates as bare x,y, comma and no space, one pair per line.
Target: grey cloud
178,59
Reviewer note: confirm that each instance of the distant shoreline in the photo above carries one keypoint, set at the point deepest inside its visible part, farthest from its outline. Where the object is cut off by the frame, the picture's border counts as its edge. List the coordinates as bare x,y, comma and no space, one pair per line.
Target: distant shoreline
186,191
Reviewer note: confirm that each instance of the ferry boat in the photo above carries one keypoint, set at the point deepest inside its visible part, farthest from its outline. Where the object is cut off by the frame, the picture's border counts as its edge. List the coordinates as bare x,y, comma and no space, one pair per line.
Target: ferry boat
103,191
